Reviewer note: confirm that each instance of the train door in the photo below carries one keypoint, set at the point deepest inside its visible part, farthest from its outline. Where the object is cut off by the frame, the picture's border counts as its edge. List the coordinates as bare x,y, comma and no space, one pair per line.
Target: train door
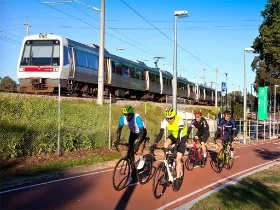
197,92
204,94
147,78
161,82
72,61
108,66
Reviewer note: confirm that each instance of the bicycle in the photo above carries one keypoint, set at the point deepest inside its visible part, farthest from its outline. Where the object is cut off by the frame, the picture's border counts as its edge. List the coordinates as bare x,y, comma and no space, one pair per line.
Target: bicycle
224,159
126,167
165,173
195,157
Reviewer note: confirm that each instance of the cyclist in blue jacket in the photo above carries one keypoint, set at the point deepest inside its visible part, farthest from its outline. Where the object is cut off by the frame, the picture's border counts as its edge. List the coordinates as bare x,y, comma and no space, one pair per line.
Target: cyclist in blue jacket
227,130
137,129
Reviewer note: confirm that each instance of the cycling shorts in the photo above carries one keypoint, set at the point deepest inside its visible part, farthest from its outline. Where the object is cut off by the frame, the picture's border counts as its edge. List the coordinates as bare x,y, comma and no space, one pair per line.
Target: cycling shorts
182,145
204,137
134,136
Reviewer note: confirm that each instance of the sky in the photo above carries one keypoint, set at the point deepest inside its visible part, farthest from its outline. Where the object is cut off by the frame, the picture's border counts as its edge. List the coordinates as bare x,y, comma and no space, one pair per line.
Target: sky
213,35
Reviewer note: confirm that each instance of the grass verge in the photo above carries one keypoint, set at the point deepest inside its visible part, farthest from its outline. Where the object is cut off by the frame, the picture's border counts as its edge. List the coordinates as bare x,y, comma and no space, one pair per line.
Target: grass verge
258,191
29,170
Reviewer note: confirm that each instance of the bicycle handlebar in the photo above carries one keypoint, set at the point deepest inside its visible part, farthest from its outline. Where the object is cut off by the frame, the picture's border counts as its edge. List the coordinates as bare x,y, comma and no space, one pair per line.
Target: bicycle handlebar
127,145
163,149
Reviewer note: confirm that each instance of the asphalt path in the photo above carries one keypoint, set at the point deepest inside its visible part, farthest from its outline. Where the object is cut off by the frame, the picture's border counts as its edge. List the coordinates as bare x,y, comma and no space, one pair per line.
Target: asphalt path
94,190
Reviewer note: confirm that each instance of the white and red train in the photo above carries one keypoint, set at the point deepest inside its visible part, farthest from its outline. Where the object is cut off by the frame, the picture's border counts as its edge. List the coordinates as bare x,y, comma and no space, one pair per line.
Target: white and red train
47,60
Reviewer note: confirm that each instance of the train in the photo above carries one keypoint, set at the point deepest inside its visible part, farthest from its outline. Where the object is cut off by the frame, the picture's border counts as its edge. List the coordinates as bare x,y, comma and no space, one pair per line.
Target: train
48,61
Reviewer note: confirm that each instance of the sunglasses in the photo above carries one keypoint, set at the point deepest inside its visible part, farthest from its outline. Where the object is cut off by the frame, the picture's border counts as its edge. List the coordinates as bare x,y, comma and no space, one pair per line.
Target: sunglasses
168,119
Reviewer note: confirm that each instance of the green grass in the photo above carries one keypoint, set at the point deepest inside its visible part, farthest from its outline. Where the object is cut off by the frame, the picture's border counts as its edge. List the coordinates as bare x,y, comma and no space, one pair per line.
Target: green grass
29,124
258,191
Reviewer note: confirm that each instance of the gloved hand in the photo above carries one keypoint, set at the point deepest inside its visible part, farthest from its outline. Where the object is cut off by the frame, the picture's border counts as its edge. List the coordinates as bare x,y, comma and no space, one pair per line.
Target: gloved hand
116,143
235,138
136,144
215,140
152,147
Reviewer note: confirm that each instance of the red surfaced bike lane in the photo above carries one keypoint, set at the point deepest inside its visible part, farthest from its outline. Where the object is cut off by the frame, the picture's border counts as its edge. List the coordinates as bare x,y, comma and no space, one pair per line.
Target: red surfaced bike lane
95,191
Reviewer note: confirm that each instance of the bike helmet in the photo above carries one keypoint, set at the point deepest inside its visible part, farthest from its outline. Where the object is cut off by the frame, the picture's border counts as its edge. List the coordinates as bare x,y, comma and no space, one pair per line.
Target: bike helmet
198,113
128,110
227,112
169,113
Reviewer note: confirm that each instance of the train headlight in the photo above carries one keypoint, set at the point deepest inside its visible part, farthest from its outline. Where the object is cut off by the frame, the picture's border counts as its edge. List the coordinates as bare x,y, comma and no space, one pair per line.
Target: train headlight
21,69
56,69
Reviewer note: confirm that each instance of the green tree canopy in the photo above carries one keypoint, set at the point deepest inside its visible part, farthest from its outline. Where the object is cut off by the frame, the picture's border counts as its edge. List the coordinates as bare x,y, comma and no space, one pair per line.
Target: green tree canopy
7,84
267,45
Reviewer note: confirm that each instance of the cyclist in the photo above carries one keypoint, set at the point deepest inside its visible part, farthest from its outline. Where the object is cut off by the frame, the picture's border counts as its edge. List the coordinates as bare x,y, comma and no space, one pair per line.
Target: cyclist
137,129
228,130
175,125
202,133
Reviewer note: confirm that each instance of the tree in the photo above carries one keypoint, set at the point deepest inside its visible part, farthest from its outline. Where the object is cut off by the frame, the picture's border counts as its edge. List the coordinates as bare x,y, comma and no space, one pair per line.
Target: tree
7,84
267,45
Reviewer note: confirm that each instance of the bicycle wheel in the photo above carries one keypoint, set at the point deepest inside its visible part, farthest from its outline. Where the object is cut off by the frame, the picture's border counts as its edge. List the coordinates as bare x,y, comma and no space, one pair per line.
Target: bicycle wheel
202,161
177,183
230,161
144,174
190,161
121,174
220,161
160,181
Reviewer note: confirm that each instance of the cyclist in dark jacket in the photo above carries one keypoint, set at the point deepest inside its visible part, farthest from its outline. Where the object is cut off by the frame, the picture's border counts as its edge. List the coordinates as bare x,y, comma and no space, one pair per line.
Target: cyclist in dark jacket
202,133
227,129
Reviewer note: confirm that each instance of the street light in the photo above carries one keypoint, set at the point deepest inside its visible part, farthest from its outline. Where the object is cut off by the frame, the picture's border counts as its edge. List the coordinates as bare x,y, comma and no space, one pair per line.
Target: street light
275,86
245,96
100,83
251,101
181,13
226,89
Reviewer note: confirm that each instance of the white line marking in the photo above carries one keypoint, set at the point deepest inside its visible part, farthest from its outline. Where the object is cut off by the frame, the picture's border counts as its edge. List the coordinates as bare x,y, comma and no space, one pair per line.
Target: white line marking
190,204
54,181
214,183
74,177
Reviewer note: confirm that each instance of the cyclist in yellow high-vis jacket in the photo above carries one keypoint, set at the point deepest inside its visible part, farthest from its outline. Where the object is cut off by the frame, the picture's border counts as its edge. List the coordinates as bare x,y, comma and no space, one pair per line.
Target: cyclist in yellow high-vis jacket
175,125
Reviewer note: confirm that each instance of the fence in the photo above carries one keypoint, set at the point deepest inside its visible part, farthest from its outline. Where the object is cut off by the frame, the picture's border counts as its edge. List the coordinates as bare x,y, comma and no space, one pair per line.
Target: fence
32,125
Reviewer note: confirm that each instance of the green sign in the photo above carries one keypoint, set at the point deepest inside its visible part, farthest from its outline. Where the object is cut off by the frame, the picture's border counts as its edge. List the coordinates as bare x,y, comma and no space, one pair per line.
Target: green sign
262,103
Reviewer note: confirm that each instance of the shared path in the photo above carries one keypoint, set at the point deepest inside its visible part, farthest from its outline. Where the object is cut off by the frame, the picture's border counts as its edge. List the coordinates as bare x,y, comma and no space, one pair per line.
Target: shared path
94,190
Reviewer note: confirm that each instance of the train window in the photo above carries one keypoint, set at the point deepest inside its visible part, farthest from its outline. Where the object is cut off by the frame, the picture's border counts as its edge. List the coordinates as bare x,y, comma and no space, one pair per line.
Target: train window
81,58
132,72
139,74
119,69
126,71
157,79
92,61
152,77
26,55
65,55
113,67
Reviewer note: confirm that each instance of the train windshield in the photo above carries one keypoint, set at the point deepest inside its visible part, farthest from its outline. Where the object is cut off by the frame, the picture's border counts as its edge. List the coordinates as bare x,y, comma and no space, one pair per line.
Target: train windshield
41,53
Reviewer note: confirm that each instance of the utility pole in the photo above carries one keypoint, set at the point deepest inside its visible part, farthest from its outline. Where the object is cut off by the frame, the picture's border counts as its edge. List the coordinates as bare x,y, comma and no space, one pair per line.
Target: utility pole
100,90
27,26
226,89
211,84
216,92
203,75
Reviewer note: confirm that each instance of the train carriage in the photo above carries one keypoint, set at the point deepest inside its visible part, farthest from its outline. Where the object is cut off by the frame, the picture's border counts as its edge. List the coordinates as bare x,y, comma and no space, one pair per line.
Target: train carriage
47,60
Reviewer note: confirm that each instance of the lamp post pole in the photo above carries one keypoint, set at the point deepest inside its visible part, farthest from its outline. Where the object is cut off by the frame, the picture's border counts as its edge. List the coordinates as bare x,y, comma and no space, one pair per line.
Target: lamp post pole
174,90
226,89
245,97
101,55
274,107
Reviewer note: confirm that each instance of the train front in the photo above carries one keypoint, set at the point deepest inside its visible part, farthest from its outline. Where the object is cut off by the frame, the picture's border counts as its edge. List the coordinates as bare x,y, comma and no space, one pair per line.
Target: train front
43,63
